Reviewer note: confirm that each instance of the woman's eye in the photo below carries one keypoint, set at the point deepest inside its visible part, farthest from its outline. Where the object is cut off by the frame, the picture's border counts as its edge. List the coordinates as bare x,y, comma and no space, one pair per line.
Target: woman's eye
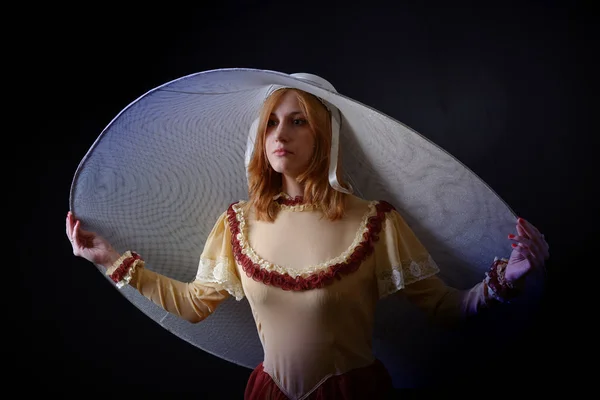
271,123
299,121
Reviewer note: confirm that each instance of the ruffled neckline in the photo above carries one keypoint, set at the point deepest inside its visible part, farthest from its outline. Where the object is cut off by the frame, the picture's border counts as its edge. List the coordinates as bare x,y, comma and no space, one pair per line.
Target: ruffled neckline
287,202
315,276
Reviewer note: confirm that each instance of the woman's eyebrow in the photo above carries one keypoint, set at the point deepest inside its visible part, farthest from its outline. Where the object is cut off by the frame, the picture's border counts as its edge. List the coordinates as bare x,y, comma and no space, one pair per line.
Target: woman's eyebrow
291,113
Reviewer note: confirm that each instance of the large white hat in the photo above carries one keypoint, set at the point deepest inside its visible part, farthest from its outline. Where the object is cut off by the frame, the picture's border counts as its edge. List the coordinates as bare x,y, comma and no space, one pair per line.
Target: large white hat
170,163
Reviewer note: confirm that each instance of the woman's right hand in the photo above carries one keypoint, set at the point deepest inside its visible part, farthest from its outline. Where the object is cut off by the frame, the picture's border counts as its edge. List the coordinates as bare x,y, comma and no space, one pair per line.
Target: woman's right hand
89,245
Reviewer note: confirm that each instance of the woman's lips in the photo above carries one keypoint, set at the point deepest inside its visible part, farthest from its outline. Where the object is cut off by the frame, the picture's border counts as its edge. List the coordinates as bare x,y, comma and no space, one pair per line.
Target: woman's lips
282,152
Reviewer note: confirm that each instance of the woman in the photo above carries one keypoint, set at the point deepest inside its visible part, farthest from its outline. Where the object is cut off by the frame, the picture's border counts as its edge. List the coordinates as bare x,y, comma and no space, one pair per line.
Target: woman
312,260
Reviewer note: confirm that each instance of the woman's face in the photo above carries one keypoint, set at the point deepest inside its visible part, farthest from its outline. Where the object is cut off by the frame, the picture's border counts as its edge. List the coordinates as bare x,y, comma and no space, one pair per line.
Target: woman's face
289,139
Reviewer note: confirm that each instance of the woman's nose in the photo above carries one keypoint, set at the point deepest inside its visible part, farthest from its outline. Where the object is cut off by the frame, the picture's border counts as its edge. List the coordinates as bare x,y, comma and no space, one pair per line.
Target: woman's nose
281,133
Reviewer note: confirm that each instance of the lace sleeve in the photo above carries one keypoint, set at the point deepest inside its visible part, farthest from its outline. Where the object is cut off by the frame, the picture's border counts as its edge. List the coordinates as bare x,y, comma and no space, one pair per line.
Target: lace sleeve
217,263
401,259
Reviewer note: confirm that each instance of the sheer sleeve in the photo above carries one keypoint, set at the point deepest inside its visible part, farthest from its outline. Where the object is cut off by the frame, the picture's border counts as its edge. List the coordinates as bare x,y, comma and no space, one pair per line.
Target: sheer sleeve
194,301
217,262
401,259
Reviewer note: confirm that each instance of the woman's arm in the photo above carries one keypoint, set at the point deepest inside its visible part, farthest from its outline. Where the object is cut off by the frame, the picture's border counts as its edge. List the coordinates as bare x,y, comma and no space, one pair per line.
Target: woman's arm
445,303
192,301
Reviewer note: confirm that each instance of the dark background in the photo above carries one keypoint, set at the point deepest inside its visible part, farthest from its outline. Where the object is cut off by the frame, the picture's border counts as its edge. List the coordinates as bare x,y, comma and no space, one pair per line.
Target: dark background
503,87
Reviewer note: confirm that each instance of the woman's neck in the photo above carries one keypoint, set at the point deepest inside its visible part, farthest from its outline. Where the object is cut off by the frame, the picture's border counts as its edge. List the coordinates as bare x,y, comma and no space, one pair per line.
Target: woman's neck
291,187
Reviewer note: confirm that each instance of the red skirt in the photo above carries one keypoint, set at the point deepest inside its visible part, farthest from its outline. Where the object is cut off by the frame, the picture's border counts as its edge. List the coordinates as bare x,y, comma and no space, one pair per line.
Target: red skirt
372,382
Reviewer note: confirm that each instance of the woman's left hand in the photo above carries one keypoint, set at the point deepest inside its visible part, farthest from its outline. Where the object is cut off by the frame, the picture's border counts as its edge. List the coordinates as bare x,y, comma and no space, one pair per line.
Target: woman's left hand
530,251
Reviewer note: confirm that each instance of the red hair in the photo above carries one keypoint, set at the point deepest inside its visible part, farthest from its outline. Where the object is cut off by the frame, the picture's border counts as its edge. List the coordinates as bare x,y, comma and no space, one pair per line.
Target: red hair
264,183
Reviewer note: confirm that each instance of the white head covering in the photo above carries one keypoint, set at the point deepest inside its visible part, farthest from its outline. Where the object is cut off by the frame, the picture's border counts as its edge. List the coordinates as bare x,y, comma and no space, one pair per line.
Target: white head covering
336,120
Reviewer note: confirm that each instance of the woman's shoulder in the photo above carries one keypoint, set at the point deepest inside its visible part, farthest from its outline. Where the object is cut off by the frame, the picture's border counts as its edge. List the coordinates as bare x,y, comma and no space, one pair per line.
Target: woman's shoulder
357,202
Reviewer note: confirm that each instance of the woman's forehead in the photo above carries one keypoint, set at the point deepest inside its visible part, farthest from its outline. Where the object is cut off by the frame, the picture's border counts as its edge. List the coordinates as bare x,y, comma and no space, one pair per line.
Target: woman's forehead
287,104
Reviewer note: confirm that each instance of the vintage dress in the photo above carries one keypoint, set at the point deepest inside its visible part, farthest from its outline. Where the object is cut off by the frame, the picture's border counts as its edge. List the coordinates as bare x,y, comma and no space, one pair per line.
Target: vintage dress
312,284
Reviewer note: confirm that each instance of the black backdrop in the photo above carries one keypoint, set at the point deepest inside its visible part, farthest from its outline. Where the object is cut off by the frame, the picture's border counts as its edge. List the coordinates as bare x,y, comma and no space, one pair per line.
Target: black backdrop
503,87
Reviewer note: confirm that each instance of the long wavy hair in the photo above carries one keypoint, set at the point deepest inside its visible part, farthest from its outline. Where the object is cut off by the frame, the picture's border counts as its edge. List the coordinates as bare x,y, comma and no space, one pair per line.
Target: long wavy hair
264,182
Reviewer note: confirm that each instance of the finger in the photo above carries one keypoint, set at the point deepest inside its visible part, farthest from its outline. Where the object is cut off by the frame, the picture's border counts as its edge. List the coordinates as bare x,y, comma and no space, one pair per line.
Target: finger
521,231
69,223
529,228
521,238
524,232
76,234
537,239
522,248
523,251
82,232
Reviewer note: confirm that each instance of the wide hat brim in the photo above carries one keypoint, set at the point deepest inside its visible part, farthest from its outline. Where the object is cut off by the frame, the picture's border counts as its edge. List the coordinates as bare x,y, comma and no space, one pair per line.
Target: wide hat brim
163,170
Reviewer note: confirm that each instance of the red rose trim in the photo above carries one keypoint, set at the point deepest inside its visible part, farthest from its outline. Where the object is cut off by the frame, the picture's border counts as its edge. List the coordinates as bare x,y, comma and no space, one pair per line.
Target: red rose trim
318,280
496,281
119,273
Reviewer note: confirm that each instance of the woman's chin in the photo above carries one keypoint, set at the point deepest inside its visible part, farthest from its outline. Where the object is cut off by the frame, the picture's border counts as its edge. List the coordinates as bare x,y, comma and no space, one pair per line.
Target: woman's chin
286,171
